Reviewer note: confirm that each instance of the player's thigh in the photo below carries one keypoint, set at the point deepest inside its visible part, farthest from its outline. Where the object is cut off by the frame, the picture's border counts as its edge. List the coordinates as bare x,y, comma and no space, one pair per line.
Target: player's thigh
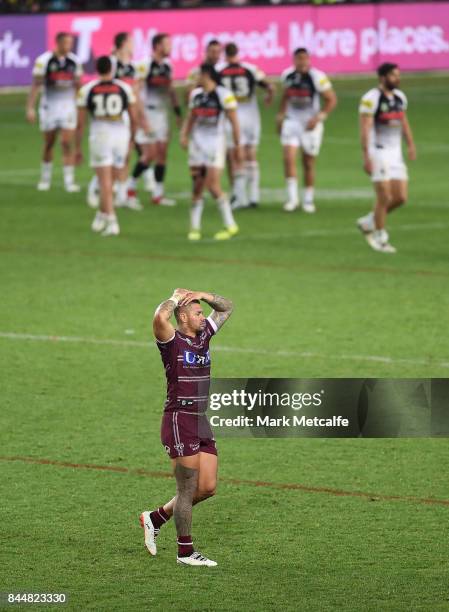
399,190
120,147
289,154
207,478
50,137
308,161
291,133
213,177
67,136
311,140
190,461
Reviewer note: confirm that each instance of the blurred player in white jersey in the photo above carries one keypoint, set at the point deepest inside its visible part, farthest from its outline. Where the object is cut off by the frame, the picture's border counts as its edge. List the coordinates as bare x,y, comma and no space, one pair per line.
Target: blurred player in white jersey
123,69
242,79
212,57
158,93
111,105
300,123
57,73
383,123
204,134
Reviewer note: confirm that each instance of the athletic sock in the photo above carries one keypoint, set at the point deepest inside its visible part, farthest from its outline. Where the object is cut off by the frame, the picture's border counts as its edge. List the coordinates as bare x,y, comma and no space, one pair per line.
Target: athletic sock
292,189
196,212
139,168
159,517
159,174
69,175
309,193
239,187
253,175
185,546
46,170
225,210
122,191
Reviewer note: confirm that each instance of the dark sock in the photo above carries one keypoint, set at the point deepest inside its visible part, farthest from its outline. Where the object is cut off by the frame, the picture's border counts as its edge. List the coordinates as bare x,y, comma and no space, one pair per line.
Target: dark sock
159,173
185,546
139,169
159,517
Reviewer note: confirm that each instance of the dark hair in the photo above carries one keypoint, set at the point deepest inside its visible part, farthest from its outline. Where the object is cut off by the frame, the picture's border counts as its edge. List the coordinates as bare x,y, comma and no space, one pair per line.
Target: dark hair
385,69
60,35
158,39
213,42
300,50
206,68
231,49
104,64
120,39
178,309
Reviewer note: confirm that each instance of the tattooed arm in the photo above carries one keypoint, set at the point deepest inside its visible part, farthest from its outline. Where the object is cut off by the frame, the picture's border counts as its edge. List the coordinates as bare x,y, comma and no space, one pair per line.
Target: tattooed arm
222,306
162,328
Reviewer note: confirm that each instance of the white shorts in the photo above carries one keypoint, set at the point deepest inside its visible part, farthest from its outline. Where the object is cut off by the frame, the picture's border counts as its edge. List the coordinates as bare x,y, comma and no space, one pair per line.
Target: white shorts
388,165
57,116
159,126
294,134
108,145
207,150
249,121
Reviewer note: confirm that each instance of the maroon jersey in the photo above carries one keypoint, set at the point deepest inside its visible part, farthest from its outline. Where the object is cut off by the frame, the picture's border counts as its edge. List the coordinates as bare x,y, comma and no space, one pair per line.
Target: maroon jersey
187,368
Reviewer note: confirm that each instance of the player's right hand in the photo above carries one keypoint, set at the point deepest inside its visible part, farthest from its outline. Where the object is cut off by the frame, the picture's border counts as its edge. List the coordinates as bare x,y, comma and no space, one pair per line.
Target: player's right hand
180,293
31,115
368,165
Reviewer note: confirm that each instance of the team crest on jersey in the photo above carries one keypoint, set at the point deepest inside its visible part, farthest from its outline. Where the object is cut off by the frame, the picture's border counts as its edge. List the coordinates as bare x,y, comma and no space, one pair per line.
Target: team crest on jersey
194,359
179,447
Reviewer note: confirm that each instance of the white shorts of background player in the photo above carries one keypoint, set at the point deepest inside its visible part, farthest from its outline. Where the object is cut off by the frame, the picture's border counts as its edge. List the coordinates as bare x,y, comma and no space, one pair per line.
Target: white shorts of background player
57,116
294,134
108,144
207,150
388,165
159,126
249,122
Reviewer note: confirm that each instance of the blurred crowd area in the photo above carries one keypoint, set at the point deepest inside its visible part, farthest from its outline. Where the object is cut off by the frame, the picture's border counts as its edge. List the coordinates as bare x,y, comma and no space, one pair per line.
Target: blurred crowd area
44,6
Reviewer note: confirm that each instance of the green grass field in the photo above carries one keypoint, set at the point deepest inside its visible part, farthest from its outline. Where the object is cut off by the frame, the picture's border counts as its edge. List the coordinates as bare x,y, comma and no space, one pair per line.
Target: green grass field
312,300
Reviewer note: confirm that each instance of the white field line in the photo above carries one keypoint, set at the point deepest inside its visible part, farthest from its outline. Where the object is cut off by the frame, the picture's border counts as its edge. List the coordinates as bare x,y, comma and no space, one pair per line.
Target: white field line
226,349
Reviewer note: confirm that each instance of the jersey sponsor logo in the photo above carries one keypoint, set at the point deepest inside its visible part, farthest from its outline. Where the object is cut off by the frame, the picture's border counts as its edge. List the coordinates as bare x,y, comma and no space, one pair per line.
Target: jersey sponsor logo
194,446
201,111
190,358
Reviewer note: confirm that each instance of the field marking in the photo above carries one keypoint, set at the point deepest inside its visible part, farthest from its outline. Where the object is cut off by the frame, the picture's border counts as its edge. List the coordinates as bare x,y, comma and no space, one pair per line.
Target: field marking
233,481
241,263
224,349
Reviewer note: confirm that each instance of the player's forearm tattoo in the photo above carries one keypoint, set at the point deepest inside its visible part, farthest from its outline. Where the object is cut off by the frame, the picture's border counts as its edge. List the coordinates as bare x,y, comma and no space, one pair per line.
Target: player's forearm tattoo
186,485
166,308
222,309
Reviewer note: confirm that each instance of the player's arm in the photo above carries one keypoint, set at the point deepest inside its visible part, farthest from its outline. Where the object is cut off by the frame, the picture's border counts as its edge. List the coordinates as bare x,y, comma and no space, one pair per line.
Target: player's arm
222,307
265,84
282,109
36,86
186,129
366,126
231,114
80,125
176,106
329,103
408,137
133,118
162,328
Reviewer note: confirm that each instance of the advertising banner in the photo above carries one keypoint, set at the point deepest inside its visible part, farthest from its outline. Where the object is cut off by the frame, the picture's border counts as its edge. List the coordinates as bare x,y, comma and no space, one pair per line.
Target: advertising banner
341,39
21,40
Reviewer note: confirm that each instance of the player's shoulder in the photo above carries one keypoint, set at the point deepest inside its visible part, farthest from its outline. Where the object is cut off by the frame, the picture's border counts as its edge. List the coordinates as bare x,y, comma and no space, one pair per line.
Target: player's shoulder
195,92
370,100
320,78
84,91
226,96
124,85
400,94
167,63
141,67
252,68
285,74
42,60
74,58
220,65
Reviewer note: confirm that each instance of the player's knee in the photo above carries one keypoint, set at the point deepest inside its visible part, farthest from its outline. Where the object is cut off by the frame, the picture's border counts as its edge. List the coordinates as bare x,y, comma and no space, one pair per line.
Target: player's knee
207,491
400,199
66,146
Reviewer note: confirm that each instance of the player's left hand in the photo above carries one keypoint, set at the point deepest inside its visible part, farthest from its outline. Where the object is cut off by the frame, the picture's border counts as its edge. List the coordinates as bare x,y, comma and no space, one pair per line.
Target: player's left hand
412,152
312,122
190,296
